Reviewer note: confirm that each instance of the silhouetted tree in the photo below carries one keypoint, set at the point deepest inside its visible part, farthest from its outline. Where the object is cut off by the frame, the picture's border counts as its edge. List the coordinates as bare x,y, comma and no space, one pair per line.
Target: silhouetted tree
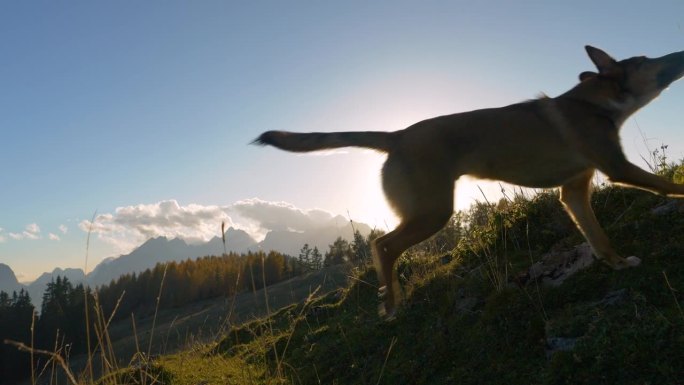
361,253
63,314
339,253
305,256
16,313
316,259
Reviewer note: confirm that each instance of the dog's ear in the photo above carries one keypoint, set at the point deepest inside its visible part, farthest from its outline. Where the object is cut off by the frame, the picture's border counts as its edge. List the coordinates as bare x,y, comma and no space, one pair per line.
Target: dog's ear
586,75
602,60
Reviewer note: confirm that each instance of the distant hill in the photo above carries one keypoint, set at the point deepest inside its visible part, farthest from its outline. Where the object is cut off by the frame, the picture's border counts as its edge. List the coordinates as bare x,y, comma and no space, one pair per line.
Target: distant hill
162,249
8,281
289,242
150,253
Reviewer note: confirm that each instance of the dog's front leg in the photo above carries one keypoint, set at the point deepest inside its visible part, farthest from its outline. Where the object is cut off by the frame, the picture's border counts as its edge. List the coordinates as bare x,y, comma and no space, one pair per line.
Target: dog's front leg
575,195
630,175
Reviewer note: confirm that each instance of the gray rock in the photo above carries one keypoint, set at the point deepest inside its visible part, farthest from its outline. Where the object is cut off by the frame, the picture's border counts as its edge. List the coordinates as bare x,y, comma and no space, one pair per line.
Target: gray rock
555,267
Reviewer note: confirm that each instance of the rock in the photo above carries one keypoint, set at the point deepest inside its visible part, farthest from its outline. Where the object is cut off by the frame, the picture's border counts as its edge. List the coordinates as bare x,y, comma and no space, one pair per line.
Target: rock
555,267
670,206
465,303
611,298
564,344
559,344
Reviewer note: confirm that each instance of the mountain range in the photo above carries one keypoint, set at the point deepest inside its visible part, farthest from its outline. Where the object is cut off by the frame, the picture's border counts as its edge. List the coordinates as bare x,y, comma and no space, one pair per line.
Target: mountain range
162,249
9,282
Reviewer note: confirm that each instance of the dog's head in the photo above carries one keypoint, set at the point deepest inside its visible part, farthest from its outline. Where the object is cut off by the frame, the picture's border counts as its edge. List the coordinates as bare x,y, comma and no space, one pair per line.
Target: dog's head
635,81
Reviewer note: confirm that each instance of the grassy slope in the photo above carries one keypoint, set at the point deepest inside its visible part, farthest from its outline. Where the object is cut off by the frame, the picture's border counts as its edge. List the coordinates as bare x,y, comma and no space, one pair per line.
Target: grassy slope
188,327
458,326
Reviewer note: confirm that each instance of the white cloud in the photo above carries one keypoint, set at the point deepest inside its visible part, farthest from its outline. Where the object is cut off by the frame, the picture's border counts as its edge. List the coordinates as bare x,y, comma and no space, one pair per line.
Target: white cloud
32,231
129,226
63,229
53,237
263,216
2,237
33,228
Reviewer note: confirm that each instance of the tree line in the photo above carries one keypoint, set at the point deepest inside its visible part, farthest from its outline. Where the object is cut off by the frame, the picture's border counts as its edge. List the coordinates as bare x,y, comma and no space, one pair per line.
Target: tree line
357,252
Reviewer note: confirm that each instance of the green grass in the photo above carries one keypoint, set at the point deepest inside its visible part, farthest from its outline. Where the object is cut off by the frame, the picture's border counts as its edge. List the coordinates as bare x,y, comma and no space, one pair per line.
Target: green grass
196,366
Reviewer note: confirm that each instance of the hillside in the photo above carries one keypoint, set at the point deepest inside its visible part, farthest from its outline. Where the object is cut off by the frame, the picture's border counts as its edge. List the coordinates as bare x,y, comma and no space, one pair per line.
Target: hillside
507,293
480,315
205,321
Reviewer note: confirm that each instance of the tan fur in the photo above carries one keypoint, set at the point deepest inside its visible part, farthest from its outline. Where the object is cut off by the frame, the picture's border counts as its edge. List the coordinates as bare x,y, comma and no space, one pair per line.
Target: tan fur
547,142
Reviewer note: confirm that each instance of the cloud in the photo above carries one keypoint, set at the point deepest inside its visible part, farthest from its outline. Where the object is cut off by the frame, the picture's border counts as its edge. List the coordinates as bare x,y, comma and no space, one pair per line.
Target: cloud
266,216
33,228
63,229
53,237
2,237
129,226
32,231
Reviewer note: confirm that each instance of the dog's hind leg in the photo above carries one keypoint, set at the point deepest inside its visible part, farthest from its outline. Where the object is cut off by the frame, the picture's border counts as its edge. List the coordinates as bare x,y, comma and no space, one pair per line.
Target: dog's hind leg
388,248
424,202
575,195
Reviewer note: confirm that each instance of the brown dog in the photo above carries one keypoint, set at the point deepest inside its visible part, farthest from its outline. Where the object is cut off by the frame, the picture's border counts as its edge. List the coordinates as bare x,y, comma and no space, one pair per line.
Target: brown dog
547,142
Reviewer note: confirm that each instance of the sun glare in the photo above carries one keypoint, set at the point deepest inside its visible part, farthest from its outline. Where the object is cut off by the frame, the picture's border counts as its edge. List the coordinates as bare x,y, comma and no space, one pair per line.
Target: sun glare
468,192
373,208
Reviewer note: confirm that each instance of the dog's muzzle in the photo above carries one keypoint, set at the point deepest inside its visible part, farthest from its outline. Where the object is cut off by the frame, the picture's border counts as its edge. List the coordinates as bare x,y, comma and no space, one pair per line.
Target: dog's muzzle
672,68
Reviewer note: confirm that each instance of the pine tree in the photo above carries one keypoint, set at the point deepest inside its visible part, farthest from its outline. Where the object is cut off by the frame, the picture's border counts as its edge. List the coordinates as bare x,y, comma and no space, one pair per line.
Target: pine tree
339,253
16,316
305,257
361,252
316,259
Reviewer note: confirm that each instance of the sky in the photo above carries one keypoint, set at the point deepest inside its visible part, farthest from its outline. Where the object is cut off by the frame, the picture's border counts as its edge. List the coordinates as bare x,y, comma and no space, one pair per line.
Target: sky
140,114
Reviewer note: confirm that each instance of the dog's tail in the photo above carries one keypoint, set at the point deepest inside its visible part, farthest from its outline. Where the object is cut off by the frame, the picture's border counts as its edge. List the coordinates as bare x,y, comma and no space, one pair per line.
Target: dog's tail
312,141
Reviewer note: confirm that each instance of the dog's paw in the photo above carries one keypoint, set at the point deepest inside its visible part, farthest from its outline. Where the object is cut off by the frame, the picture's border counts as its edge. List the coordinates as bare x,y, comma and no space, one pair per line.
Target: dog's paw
633,261
382,292
626,263
623,263
385,313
